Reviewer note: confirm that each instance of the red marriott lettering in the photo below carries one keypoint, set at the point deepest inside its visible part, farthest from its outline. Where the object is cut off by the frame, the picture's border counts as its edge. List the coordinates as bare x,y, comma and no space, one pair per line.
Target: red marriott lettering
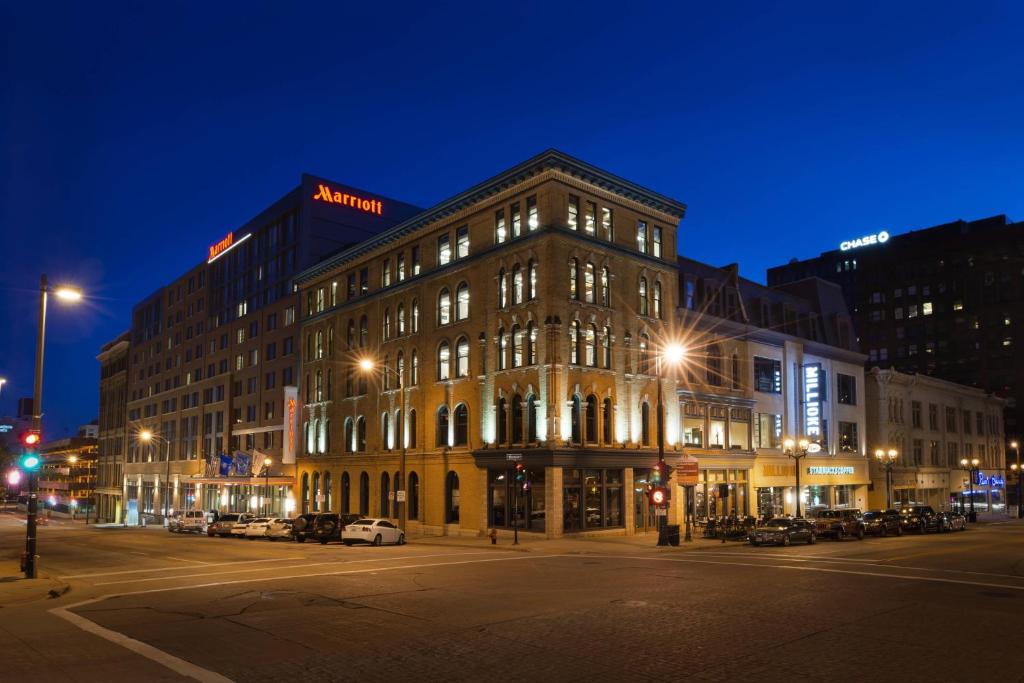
325,194
222,246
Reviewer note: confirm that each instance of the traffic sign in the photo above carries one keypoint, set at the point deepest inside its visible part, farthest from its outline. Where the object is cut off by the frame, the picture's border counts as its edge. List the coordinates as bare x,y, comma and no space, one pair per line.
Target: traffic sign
400,496
513,457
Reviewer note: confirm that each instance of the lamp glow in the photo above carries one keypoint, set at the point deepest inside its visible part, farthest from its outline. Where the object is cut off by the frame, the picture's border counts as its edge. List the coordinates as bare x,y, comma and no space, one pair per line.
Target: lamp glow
366,364
69,294
145,435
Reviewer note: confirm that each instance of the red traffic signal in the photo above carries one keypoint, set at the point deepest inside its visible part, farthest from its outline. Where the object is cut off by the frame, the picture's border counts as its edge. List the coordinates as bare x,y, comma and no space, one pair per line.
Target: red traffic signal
30,438
657,496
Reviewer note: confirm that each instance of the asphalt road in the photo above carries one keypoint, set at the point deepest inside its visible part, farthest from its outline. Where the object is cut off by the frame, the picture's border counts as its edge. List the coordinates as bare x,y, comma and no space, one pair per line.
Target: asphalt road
155,606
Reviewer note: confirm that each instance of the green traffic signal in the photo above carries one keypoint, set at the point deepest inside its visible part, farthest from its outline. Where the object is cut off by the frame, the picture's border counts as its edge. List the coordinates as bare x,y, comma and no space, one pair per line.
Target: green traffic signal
29,462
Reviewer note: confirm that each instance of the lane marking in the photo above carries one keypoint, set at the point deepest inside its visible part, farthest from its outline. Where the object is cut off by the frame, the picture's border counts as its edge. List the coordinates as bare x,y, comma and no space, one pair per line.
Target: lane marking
291,566
194,671
183,559
171,569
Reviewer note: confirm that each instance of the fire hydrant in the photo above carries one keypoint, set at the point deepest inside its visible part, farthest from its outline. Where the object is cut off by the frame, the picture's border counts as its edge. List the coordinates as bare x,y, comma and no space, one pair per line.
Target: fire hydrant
494,536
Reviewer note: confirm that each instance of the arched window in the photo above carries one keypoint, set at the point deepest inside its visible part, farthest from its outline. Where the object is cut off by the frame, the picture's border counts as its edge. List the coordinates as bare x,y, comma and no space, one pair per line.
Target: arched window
400,431
444,307
502,348
385,375
606,348
385,489
444,354
361,434
517,284
414,496
606,422
441,435
531,343
364,332
328,497
531,292
502,289
321,437
606,297
349,383
330,384
346,497
574,342
517,346
590,342
591,419
645,424
714,372
330,340
364,494
414,369
642,293
462,357
319,344
517,419
657,299
305,492
451,498
736,377
400,370
574,274
577,436
502,421
589,283
350,336
531,418
316,492
461,425
643,363
385,431
462,301
308,427
412,429
350,442
386,328
319,392
415,322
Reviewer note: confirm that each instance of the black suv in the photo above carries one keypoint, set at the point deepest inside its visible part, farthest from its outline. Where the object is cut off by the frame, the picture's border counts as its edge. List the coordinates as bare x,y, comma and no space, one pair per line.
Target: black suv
883,522
921,518
302,526
328,525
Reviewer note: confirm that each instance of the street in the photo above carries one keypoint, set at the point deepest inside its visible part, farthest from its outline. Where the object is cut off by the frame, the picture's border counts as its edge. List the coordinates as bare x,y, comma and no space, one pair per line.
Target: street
158,606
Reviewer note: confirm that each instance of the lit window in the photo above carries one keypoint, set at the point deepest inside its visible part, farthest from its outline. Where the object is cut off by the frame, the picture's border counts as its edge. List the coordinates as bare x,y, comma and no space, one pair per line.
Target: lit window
590,219
926,308
401,267
1007,341
641,237
462,302
443,361
606,224
462,358
517,220
517,285
656,241
958,305
444,307
532,216
462,242
502,289
574,213
588,283
912,311
444,250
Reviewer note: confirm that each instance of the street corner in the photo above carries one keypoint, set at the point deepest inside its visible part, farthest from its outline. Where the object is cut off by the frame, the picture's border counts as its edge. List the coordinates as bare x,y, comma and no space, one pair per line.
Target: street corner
16,590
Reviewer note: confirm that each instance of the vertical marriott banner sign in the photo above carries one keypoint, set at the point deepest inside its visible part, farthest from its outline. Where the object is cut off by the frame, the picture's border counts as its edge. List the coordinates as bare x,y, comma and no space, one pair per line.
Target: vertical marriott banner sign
814,384
291,425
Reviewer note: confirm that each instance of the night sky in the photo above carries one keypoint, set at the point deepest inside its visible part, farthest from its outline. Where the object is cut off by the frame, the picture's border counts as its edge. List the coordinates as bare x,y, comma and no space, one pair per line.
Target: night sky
134,135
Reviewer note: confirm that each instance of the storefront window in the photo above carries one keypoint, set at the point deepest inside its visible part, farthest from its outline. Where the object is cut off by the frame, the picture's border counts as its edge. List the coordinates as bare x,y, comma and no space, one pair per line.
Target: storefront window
771,501
721,493
506,496
592,499
716,434
844,496
816,498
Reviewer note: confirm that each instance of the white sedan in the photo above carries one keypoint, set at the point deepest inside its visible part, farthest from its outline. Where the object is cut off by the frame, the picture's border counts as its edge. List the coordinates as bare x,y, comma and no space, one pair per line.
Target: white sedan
279,527
372,531
256,528
239,527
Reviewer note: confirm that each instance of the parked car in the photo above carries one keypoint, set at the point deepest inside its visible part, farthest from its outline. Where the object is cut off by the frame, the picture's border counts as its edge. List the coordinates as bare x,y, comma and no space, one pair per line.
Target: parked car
239,527
882,522
839,524
302,526
187,521
952,521
222,527
328,525
256,528
373,531
279,527
920,518
784,531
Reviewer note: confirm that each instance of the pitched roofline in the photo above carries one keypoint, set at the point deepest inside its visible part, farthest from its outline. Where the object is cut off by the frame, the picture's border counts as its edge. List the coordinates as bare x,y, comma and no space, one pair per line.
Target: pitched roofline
548,159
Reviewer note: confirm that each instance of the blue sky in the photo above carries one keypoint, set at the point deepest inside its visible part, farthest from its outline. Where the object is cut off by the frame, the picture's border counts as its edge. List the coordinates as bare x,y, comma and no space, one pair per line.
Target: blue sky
132,135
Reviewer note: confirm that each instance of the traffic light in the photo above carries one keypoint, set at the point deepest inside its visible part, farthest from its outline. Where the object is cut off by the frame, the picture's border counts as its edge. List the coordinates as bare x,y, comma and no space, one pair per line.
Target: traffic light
656,474
30,439
29,462
657,496
520,472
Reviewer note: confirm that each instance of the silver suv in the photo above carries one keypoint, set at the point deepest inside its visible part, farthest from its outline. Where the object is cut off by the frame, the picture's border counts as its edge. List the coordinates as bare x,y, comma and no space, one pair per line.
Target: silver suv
187,521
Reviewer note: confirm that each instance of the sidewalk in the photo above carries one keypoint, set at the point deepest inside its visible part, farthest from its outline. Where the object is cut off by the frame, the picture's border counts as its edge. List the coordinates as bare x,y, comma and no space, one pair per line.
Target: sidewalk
15,590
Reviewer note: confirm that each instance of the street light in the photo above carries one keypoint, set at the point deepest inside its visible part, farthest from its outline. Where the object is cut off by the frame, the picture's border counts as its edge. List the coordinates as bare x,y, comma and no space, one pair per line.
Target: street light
148,436
1016,468
971,466
266,485
671,354
69,295
887,459
369,365
797,450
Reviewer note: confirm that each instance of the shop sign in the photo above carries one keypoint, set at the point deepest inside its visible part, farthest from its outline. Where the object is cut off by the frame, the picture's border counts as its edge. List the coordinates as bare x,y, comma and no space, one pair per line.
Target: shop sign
813,394
823,469
326,195
291,424
877,238
513,457
994,480
778,470
688,472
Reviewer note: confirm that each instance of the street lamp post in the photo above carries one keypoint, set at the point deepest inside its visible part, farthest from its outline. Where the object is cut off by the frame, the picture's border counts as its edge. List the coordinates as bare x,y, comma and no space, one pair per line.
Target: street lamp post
797,450
1016,468
971,467
368,365
148,436
887,459
672,354
68,294
266,484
